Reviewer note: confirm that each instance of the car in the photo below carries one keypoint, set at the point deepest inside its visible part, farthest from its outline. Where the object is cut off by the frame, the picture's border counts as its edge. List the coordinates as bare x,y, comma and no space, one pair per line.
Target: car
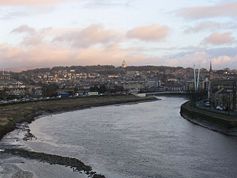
219,108
207,103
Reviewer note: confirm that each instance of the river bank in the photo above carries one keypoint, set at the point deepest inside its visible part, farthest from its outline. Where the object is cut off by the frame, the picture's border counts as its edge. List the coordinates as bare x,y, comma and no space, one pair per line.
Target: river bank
148,139
13,114
220,122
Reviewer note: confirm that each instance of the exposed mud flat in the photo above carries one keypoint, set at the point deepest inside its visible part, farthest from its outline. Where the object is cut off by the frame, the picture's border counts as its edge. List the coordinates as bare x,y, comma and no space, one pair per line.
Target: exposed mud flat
73,163
18,116
122,141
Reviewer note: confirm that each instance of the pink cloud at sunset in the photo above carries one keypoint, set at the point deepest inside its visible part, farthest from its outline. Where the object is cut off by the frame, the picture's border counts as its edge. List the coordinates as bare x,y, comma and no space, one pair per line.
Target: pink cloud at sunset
83,32
206,11
149,33
203,26
201,59
24,29
219,38
50,55
91,35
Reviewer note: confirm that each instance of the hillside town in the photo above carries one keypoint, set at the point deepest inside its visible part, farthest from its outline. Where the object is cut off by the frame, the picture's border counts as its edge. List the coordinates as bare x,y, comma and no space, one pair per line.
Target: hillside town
58,82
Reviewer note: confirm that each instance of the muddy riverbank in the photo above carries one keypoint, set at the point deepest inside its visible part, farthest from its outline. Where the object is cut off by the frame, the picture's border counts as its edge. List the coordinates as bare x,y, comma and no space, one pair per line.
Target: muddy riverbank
13,114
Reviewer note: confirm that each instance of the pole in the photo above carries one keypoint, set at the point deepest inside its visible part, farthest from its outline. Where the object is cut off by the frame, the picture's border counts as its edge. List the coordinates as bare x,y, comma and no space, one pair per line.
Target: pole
198,77
195,80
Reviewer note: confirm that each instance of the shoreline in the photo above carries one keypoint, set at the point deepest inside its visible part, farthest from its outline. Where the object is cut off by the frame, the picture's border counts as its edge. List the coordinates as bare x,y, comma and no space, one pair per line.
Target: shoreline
74,163
218,122
52,107
13,114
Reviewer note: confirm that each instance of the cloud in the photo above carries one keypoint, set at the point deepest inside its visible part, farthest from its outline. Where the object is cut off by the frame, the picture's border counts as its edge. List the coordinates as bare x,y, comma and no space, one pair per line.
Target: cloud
219,38
220,60
217,10
210,26
68,37
13,57
24,11
108,55
24,29
95,44
188,59
91,35
107,3
149,33
226,51
31,36
27,2
13,15
202,59
47,55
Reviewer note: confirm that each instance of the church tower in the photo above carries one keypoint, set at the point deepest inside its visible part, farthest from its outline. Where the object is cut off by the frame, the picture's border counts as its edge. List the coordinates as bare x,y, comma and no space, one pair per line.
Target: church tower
210,72
210,78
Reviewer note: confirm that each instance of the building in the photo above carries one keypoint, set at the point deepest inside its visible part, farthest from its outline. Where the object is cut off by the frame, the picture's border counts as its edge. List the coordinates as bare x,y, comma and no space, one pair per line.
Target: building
134,86
5,76
36,91
124,64
223,94
17,91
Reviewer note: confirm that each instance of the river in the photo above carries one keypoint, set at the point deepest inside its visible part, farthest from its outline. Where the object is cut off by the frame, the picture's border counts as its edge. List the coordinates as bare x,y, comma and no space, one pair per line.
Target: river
145,140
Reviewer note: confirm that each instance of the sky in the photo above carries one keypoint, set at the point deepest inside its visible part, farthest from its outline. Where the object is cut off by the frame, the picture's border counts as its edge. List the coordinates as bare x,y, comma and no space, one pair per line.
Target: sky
183,33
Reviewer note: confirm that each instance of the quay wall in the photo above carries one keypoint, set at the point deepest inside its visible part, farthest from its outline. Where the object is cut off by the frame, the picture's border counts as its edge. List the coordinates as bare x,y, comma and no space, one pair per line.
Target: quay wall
220,122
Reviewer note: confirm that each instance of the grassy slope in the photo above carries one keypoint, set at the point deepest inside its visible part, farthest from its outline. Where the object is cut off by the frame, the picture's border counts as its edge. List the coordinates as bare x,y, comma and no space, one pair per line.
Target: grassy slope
12,114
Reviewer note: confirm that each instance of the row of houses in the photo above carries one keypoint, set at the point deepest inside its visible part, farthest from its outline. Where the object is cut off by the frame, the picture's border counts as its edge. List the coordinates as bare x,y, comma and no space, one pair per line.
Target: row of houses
21,90
223,94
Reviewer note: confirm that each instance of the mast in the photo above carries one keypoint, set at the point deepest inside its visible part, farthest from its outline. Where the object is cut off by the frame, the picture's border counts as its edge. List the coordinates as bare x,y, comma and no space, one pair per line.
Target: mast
198,78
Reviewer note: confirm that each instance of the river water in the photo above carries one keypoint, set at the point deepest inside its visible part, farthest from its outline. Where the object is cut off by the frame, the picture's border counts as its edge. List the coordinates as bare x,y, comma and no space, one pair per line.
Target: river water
127,141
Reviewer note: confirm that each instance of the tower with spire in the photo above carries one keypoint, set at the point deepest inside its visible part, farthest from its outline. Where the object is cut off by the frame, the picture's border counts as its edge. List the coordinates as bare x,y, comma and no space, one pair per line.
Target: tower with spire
210,72
210,66
124,64
209,81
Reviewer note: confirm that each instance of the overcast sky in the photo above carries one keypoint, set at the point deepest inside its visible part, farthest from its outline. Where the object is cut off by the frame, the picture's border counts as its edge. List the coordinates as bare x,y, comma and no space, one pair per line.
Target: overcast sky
45,33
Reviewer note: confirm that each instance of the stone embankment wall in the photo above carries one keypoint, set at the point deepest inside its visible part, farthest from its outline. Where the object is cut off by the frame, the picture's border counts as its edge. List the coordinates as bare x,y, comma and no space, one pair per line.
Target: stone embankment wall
220,122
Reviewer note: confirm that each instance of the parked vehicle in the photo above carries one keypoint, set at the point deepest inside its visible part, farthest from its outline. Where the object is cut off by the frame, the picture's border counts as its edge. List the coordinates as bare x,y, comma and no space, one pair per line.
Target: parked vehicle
207,103
219,108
